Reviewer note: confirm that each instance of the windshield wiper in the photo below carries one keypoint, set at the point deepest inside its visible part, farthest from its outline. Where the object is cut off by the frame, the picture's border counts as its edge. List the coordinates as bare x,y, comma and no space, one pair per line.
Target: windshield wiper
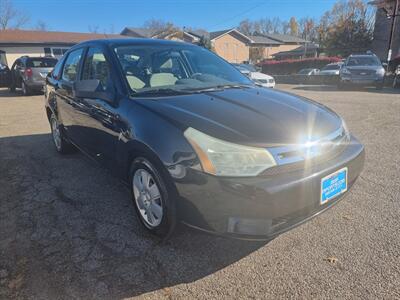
159,91
219,87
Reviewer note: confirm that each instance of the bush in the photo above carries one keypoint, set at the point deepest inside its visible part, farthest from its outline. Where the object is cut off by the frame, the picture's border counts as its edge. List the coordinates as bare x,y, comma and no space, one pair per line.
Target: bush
292,66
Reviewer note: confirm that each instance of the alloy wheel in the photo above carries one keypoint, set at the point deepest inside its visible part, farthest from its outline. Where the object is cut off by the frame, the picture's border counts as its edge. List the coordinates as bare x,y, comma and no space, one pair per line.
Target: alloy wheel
147,198
55,130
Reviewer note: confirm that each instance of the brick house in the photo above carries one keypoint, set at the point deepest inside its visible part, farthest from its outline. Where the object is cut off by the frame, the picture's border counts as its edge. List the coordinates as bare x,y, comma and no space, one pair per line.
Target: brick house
17,43
277,43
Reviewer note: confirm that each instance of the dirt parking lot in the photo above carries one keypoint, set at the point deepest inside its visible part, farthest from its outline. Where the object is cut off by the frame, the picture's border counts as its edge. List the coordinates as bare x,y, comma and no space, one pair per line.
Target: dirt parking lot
67,228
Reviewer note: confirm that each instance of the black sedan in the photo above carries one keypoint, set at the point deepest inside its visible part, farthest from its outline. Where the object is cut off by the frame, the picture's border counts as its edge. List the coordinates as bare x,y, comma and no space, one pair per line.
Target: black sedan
196,141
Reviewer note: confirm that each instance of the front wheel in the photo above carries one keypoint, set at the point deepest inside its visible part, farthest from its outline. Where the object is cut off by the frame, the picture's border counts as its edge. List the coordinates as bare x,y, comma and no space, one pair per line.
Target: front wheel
396,82
25,89
153,196
62,146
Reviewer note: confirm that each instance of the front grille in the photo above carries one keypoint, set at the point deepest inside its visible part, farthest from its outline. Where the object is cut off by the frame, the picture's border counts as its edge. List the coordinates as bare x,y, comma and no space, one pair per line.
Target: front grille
363,72
295,157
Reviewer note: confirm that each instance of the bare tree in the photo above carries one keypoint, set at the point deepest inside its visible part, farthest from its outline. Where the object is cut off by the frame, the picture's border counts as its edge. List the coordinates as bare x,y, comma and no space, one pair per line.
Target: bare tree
10,17
41,26
161,29
93,28
246,27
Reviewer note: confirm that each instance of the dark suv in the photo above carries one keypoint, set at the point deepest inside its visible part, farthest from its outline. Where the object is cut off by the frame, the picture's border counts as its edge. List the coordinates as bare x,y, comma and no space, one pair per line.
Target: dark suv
196,141
362,70
29,73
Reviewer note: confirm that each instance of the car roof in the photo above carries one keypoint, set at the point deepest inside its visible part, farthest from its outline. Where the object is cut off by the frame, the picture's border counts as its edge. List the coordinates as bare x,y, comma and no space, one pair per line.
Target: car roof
133,41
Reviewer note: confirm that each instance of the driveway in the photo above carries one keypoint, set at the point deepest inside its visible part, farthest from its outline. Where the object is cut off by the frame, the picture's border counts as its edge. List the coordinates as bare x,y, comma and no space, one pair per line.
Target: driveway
68,231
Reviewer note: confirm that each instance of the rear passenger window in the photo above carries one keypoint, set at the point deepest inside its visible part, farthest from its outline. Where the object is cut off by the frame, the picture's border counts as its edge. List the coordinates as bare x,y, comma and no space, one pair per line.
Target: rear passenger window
96,67
70,70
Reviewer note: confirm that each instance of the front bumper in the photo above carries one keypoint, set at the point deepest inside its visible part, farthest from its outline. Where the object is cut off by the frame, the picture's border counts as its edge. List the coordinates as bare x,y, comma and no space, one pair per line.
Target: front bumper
359,80
35,84
264,206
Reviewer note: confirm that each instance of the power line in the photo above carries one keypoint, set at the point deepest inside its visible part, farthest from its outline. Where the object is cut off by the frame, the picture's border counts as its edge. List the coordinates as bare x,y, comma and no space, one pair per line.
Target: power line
238,15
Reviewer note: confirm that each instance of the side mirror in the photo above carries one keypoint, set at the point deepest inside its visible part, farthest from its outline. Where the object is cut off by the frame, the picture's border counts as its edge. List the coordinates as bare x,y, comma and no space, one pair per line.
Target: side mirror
92,89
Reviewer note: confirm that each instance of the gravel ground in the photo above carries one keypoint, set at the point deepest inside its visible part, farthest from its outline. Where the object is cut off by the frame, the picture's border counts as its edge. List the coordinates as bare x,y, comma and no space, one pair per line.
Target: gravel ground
67,228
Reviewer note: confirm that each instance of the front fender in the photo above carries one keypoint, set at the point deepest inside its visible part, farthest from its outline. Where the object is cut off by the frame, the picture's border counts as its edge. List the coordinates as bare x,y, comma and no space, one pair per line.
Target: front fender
149,134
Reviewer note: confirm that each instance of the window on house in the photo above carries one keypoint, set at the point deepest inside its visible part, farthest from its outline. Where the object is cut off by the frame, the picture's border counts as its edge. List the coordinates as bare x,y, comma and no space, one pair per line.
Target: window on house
59,51
47,51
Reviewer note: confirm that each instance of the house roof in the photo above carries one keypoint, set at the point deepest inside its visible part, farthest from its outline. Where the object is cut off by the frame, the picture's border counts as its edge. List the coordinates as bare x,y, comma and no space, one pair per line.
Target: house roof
285,38
49,37
311,48
216,34
260,39
199,33
142,32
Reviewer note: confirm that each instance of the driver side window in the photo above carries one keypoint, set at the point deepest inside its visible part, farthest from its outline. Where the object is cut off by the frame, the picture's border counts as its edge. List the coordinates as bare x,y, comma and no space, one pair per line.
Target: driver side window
96,67
71,66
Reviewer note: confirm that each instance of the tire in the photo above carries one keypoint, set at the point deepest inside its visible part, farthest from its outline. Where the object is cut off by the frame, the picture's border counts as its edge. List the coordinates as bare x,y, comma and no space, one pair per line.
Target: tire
379,86
153,197
396,82
25,89
61,144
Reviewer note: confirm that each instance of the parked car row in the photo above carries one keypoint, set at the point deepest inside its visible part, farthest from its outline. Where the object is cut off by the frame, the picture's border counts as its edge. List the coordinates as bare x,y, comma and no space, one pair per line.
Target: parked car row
357,70
27,73
256,76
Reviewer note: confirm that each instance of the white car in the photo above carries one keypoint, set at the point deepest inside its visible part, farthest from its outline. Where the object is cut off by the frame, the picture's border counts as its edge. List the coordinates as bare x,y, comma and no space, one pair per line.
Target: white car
331,69
263,79
258,77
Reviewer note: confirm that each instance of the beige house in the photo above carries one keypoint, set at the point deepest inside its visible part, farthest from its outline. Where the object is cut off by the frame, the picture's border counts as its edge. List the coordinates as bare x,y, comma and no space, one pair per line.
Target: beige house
266,46
236,47
17,43
232,45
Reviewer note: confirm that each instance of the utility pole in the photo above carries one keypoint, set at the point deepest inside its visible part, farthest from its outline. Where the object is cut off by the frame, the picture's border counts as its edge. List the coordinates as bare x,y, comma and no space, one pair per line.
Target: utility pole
392,29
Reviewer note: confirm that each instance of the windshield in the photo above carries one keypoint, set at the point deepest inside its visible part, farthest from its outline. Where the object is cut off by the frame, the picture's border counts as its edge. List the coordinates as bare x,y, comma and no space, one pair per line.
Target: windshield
158,68
363,61
249,67
41,62
331,67
305,71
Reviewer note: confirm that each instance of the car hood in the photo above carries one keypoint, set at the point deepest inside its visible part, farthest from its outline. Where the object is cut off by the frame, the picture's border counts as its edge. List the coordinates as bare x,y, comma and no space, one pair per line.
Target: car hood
362,68
258,75
329,72
249,116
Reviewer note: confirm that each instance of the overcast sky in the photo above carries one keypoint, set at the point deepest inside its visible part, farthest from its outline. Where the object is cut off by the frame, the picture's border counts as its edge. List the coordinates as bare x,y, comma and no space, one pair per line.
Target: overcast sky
78,15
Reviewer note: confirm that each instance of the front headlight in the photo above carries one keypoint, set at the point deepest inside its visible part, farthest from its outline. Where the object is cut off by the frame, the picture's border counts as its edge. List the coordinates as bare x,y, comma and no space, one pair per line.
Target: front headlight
344,71
222,158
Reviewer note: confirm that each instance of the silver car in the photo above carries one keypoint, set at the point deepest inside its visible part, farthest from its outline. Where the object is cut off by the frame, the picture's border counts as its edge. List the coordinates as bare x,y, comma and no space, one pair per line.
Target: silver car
29,73
364,70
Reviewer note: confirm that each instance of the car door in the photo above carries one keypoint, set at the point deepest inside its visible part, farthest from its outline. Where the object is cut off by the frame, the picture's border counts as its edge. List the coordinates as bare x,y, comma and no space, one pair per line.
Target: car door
100,125
14,73
69,110
5,75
